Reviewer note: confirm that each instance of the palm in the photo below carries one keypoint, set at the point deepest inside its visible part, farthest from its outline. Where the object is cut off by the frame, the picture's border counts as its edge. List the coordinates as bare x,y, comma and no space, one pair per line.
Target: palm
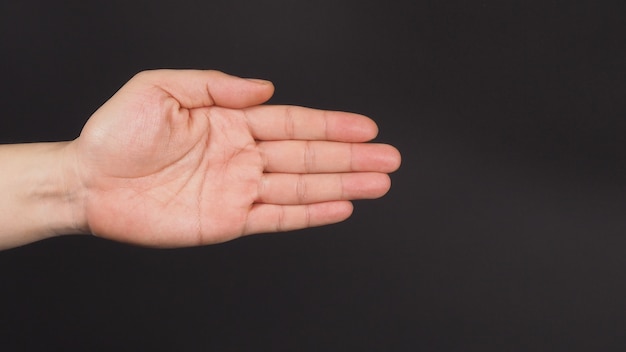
199,186
167,171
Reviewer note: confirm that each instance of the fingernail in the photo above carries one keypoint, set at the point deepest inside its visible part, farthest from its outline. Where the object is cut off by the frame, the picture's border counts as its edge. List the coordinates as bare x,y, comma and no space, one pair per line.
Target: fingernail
259,81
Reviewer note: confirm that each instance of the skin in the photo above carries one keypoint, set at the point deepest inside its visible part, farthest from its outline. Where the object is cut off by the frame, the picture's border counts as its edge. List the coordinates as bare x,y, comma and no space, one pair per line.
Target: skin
183,158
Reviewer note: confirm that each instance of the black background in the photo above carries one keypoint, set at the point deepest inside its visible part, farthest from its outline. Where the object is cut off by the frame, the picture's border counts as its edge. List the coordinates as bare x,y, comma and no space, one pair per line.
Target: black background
504,229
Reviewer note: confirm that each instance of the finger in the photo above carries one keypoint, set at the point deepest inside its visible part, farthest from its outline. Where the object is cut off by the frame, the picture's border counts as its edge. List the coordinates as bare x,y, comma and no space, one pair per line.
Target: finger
202,88
264,218
293,122
291,189
328,157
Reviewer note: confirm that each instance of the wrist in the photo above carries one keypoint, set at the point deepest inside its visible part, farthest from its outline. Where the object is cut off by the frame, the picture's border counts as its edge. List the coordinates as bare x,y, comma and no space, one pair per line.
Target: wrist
71,195
43,194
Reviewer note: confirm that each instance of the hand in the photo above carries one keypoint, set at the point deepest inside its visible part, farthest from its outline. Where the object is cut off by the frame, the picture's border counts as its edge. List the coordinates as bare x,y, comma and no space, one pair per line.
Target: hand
182,158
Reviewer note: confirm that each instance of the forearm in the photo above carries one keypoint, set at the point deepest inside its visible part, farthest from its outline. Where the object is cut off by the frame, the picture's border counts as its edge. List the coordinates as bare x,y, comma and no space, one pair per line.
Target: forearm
39,195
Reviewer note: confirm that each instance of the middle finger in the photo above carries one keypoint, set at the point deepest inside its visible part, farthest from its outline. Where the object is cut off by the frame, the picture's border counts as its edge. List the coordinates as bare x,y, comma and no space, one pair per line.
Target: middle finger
327,157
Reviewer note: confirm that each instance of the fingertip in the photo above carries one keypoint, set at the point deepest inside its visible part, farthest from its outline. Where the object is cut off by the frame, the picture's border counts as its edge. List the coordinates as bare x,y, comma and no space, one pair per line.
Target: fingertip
330,212
394,158
344,210
364,127
350,127
370,128
265,89
375,157
384,185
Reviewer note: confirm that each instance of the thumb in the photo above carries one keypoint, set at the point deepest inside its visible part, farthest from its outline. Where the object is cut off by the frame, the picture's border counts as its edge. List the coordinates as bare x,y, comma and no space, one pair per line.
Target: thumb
203,88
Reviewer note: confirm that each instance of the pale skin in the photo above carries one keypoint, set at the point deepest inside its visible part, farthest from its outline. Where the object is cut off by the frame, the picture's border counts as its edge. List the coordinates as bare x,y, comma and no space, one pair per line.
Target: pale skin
182,158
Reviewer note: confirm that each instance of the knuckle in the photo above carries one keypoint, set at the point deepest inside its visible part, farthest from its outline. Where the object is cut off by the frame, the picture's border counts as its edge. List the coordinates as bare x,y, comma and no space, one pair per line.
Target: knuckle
307,216
280,221
301,189
290,122
309,157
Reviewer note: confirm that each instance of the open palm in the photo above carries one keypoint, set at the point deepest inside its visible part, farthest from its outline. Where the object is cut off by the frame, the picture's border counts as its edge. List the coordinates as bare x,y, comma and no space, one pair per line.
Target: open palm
181,158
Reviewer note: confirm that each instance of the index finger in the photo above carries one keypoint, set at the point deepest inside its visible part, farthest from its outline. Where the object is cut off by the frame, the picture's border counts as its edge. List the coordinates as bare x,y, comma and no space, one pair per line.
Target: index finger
280,122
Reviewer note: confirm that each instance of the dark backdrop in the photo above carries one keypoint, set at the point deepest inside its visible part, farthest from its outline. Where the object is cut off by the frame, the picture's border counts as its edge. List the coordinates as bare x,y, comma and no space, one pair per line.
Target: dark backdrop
504,229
